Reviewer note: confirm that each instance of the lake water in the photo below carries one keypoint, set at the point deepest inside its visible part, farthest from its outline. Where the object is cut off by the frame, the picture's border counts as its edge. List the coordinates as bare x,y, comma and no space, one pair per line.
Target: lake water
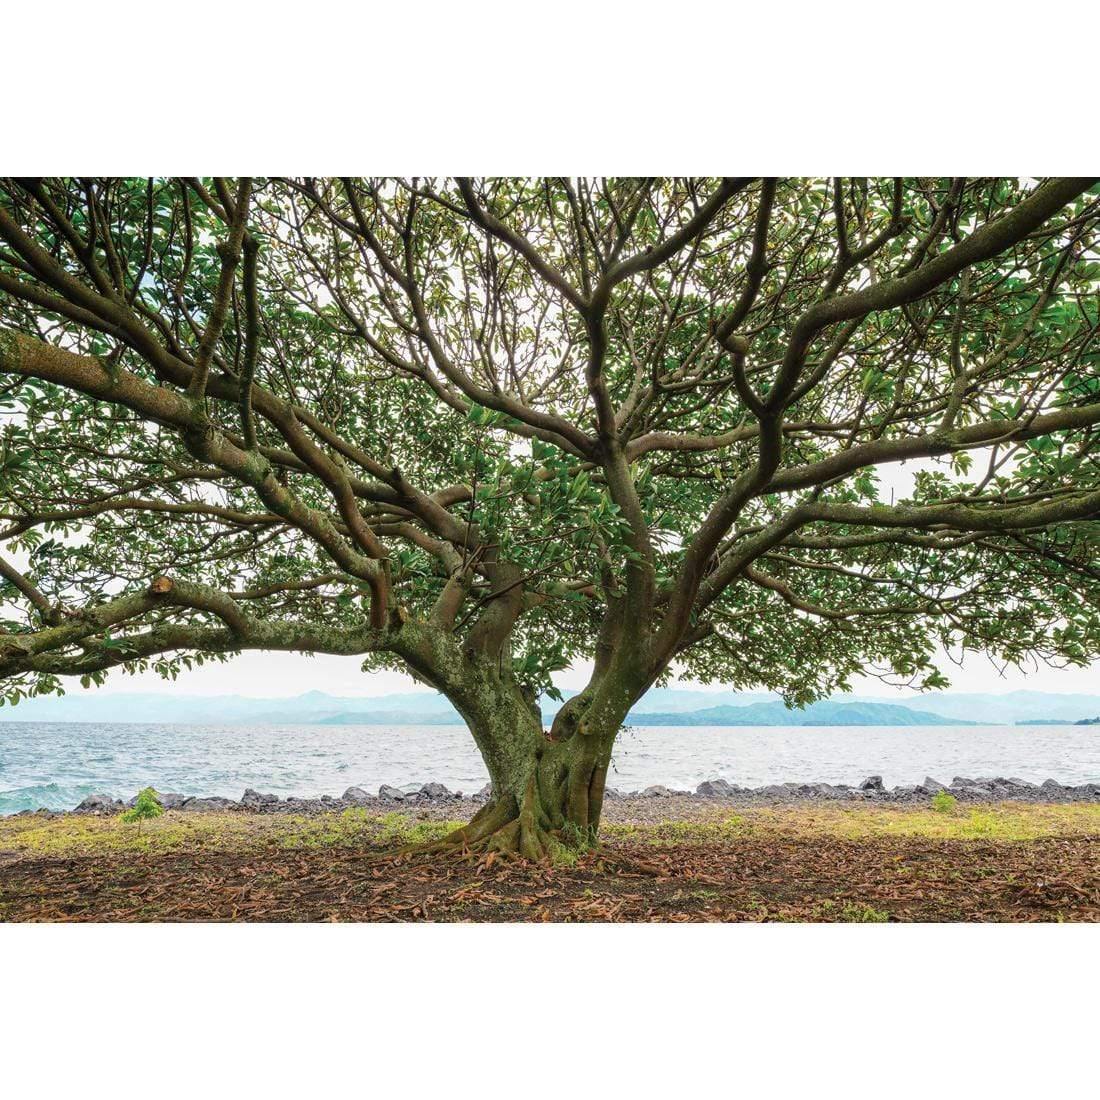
57,765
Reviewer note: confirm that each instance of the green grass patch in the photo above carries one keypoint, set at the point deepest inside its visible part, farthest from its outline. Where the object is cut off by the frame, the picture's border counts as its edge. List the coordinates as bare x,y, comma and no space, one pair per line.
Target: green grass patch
1003,821
171,832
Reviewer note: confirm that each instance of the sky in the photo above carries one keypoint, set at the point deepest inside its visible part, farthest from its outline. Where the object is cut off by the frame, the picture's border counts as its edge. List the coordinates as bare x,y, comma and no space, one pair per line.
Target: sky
279,675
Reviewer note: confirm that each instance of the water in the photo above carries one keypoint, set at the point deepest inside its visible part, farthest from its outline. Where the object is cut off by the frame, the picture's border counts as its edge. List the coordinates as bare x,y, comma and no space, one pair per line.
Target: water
56,765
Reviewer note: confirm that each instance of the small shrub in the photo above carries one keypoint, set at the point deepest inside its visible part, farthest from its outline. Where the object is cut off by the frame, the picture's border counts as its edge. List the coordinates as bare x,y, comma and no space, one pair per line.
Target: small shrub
147,805
944,803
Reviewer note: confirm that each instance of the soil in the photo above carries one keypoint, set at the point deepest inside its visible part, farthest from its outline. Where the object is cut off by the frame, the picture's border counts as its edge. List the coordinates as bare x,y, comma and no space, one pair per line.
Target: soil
766,875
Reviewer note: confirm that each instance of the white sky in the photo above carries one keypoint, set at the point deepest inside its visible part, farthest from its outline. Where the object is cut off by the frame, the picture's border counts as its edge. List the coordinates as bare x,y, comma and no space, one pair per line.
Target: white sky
277,675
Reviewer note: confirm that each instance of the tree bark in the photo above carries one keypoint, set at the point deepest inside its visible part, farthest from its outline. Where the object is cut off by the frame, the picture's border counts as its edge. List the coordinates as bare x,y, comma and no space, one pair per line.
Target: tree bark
547,795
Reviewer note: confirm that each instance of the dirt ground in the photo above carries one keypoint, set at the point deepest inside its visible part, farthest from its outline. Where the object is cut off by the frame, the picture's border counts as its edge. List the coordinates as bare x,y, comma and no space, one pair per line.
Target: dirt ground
861,864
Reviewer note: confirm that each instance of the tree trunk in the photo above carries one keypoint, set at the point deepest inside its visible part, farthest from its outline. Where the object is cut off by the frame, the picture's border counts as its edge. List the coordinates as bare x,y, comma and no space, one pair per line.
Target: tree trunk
547,795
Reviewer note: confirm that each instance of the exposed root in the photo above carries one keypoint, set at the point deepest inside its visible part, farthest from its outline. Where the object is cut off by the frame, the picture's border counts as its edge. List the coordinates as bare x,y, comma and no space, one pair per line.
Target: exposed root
503,827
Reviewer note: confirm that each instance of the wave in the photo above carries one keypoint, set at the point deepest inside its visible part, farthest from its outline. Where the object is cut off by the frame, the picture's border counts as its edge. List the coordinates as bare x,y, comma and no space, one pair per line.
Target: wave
48,796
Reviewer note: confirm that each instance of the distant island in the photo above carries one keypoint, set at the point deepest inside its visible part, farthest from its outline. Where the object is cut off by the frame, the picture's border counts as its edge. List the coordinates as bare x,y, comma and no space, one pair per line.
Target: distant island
671,706
1059,722
825,713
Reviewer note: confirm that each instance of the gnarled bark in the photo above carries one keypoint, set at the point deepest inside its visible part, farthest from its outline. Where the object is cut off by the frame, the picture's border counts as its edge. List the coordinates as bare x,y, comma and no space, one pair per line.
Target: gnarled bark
547,794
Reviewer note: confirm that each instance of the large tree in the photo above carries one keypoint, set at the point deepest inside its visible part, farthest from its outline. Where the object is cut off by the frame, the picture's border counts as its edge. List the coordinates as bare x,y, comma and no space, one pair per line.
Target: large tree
482,430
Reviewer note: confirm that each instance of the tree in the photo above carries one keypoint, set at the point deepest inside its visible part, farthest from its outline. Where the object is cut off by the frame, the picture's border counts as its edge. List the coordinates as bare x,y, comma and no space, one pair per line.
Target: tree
485,429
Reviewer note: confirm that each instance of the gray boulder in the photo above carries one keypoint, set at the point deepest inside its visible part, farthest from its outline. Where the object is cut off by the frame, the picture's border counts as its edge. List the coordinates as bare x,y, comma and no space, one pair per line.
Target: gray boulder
773,790
484,794
436,792
610,794
1052,786
962,781
214,802
871,783
716,788
99,804
357,795
390,794
976,793
253,799
656,791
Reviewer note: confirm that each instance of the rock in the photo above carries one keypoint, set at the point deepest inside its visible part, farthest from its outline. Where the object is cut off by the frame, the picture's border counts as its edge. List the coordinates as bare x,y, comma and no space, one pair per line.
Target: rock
611,794
484,794
932,785
214,802
98,804
962,781
1052,786
871,783
716,788
252,798
1023,784
435,791
656,791
390,794
357,795
976,793
169,800
773,790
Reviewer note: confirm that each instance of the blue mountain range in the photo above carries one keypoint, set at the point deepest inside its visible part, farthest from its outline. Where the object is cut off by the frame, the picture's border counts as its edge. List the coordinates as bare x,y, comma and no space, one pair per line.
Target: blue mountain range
661,706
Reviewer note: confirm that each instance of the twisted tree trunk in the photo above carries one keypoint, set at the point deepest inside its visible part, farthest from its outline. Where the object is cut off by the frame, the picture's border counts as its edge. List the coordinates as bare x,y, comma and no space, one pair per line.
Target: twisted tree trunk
547,794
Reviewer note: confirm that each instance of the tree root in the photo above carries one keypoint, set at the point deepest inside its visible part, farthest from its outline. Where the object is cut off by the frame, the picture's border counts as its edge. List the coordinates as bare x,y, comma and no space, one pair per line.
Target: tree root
503,827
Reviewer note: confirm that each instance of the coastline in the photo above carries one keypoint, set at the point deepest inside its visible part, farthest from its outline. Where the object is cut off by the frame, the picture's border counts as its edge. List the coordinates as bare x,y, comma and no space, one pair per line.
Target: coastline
652,804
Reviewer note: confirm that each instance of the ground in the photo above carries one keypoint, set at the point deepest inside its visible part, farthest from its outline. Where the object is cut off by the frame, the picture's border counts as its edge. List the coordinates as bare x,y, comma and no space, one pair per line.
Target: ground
1006,862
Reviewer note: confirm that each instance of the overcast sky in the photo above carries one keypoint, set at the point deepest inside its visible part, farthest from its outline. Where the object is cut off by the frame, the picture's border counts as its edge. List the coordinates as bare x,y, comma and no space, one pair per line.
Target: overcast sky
283,674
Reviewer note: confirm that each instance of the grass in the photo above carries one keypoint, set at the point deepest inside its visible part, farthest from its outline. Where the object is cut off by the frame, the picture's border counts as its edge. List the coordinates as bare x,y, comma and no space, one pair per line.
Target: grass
1004,821
172,832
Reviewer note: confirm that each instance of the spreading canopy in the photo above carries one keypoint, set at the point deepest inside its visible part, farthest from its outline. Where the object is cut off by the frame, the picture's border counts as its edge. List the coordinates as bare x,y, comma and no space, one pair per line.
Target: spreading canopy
772,431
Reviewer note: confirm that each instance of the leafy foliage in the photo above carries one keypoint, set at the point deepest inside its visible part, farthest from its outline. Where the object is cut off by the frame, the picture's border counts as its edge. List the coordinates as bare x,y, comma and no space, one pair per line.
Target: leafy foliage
445,354
146,806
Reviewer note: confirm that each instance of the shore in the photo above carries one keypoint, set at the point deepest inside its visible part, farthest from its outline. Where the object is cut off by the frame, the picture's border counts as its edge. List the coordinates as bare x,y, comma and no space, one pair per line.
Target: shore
652,804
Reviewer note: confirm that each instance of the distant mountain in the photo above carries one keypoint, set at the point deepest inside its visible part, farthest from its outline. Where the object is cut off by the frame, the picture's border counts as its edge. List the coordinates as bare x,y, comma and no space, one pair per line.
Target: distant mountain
827,713
390,718
661,706
1006,708
427,707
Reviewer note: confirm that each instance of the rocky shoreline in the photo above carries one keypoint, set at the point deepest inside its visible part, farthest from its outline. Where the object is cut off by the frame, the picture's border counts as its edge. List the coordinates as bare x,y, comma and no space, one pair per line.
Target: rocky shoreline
434,799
